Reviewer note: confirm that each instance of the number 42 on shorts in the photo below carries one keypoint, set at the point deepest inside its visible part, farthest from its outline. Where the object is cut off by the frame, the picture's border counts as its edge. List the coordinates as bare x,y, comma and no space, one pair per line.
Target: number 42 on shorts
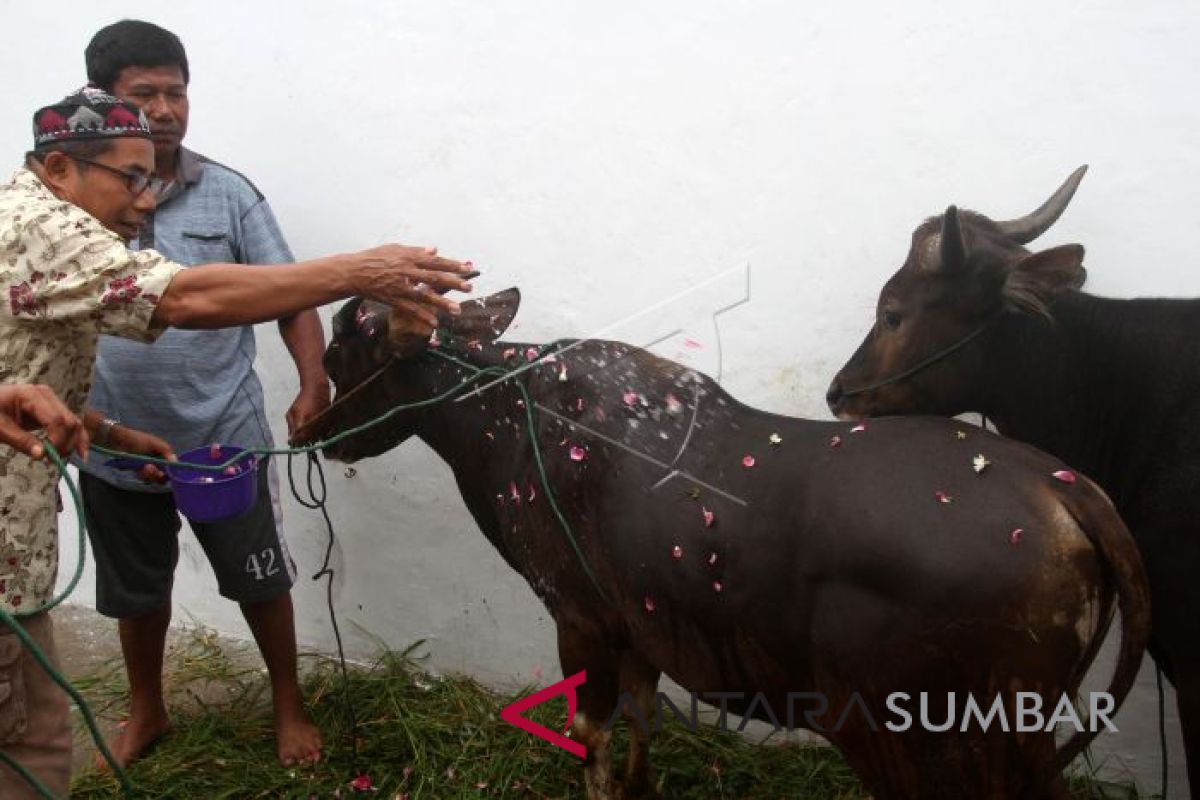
264,568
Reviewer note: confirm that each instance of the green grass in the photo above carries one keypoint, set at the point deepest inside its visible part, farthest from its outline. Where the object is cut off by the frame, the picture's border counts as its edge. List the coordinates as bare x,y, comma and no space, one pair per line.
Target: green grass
421,736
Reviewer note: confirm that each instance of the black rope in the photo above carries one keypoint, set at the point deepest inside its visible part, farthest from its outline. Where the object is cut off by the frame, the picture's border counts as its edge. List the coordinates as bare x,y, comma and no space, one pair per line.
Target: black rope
921,365
317,493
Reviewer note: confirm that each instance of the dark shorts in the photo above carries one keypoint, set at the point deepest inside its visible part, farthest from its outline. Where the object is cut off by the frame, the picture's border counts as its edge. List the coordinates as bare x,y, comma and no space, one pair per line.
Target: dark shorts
135,538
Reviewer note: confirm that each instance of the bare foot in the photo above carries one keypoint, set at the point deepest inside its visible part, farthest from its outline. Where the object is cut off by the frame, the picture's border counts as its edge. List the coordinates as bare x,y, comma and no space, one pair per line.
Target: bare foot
135,739
297,740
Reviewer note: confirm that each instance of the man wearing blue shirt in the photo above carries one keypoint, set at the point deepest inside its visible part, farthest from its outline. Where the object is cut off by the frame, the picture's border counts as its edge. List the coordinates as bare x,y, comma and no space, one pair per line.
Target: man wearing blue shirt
193,388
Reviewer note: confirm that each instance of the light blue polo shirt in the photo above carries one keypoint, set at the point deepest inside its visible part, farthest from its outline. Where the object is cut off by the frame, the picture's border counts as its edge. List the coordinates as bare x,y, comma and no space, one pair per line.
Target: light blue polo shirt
193,388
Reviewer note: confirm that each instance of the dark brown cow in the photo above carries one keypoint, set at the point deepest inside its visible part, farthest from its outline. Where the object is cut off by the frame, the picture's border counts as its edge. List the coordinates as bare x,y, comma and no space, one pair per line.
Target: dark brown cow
974,321
758,555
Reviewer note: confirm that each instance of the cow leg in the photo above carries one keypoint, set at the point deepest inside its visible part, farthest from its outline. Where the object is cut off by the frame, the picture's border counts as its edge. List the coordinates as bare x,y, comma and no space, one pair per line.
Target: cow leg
597,698
639,680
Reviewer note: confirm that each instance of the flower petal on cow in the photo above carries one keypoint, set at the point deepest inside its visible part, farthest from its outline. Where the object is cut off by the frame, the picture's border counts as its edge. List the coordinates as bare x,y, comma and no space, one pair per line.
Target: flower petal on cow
1065,475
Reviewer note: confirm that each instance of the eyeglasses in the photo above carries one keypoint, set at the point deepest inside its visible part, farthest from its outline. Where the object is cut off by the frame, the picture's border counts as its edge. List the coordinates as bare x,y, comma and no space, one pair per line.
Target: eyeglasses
135,182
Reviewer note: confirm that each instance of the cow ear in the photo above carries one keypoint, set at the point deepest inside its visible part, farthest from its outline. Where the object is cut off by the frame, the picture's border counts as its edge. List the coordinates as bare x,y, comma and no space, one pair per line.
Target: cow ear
1035,277
486,318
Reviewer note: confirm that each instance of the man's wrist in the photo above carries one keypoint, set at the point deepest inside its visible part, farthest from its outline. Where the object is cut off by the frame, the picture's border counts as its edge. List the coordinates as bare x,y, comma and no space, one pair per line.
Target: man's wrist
103,435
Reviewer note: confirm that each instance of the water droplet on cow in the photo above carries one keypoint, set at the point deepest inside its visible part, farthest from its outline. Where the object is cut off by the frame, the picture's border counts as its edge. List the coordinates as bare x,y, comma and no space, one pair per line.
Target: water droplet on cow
775,438
980,463
709,517
835,441
718,587
943,498
1014,538
712,559
676,552
859,428
649,604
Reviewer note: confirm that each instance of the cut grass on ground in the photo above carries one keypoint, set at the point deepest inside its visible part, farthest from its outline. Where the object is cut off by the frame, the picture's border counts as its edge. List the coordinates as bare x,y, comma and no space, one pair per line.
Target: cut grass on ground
424,737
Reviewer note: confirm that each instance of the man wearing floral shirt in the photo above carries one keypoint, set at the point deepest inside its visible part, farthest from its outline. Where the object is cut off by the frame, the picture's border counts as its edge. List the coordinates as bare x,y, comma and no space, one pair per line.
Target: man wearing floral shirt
68,276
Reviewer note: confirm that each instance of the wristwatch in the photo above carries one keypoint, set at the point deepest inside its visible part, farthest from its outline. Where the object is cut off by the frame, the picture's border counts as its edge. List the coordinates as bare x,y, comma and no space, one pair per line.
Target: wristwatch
104,431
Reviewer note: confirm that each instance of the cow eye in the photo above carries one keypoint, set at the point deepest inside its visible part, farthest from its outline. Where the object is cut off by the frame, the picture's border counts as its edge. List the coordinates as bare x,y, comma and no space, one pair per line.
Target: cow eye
891,320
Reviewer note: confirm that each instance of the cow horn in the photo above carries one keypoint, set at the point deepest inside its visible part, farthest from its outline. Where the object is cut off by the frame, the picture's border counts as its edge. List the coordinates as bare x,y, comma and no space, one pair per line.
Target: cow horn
1025,229
953,252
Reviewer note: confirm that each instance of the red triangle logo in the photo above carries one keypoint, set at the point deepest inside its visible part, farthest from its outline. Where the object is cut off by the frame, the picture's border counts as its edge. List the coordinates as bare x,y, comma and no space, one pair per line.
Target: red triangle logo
512,713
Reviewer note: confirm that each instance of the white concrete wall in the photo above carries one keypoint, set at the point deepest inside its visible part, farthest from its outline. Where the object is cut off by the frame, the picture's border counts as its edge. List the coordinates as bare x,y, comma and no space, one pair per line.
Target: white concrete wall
601,155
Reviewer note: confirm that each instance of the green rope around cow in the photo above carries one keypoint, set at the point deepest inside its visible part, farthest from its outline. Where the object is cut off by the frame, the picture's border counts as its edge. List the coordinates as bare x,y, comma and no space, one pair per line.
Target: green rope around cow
11,620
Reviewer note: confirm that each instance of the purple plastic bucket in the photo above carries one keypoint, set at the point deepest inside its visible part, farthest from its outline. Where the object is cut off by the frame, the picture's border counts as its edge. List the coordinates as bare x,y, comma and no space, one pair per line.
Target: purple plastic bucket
208,496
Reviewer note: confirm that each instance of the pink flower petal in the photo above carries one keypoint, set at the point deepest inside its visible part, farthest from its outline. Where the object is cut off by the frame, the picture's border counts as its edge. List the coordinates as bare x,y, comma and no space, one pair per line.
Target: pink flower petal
859,428
532,353
673,404
578,453
649,604
630,397
1065,475
579,404
747,461
362,783
712,559
434,341
676,552
709,517
1014,538
532,493
835,441
692,343
562,373
718,587
943,498
491,436
214,452
514,493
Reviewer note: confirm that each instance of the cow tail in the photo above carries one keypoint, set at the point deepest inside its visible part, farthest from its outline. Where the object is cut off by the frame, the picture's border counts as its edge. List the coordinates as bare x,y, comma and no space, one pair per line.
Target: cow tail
1118,552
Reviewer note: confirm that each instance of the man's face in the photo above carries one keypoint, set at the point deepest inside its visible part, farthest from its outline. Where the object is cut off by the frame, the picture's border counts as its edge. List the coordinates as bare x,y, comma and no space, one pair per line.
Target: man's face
161,93
102,193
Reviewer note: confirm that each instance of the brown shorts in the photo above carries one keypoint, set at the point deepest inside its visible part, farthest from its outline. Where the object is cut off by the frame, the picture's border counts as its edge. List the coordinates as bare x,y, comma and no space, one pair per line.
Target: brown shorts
35,724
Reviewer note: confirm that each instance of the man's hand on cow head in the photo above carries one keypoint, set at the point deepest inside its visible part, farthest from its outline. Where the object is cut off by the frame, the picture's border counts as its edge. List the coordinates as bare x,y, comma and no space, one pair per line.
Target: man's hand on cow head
393,273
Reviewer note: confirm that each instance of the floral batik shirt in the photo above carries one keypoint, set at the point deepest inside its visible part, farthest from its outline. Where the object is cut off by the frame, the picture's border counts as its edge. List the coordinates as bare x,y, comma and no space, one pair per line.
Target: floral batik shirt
65,279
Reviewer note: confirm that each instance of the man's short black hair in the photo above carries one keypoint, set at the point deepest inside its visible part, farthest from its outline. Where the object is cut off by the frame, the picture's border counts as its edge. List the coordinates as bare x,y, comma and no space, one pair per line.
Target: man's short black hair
132,43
